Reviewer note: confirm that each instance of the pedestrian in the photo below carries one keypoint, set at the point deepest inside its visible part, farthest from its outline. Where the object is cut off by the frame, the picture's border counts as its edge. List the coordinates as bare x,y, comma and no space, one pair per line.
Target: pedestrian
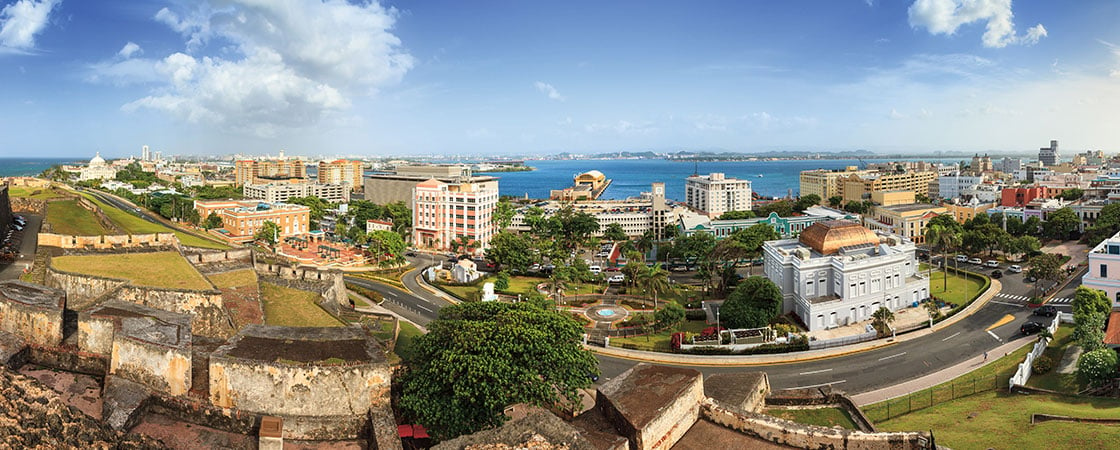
985,356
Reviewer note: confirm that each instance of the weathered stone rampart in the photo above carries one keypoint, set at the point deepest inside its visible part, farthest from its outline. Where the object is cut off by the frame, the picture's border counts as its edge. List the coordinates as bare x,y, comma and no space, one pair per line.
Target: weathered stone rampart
328,282
29,205
196,255
109,241
32,312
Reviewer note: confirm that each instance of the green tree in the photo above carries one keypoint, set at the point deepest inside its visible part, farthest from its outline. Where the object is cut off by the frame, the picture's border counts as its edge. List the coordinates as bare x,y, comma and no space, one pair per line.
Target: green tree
1098,366
501,281
318,208
387,247
1032,225
881,320
268,232
503,213
671,314
1088,300
753,304
1106,225
1088,330
835,201
614,232
670,231
463,244
943,239
1071,194
1045,267
784,208
1061,224
693,247
511,251
653,281
478,358
212,221
737,215
1022,245
947,222
806,201
855,207
752,239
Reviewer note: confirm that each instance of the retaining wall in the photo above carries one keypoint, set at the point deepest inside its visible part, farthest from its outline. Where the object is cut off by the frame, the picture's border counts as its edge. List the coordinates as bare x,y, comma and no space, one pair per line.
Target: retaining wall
69,359
163,368
197,255
29,205
109,241
38,325
328,282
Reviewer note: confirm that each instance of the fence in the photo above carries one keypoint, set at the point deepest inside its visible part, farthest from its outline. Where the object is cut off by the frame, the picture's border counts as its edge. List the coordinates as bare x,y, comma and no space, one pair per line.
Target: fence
1024,372
846,340
931,397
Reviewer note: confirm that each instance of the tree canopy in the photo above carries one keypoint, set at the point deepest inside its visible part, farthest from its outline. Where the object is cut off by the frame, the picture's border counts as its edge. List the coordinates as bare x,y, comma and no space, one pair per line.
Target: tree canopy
806,201
511,251
318,208
478,358
1061,224
753,304
614,232
268,232
737,215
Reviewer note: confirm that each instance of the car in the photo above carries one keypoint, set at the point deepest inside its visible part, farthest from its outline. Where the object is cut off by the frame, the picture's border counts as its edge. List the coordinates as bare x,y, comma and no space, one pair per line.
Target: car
1031,328
602,254
616,278
962,258
991,263
976,261
409,253
1045,311
1015,268
18,227
535,268
595,269
1030,279
997,274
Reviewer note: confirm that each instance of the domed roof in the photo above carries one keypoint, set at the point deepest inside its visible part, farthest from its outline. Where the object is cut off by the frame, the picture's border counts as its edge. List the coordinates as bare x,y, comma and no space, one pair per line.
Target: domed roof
97,160
829,236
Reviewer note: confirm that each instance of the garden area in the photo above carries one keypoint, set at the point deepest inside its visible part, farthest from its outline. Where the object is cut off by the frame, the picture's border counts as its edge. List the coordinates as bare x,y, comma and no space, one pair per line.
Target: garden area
659,342
961,288
174,271
519,284
294,308
1067,383
68,217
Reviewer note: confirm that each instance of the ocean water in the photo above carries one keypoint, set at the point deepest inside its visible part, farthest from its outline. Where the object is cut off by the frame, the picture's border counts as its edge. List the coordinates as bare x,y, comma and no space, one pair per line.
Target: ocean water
14,167
633,176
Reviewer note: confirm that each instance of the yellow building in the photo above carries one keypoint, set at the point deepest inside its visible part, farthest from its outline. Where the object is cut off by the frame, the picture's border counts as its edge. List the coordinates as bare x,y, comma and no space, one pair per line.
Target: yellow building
251,171
858,188
962,213
341,171
891,198
825,183
908,221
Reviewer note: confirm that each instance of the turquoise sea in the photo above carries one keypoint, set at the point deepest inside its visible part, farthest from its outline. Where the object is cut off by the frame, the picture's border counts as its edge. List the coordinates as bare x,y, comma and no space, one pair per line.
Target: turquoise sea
14,167
633,176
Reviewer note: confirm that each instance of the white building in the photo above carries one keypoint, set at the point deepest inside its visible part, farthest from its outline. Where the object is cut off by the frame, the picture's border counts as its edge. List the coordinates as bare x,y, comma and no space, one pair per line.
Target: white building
636,215
715,194
281,192
950,187
1104,269
838,273
97,170
378,225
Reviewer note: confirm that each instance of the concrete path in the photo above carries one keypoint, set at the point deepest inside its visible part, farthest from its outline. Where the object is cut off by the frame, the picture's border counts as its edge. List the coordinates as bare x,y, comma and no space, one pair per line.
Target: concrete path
1069,360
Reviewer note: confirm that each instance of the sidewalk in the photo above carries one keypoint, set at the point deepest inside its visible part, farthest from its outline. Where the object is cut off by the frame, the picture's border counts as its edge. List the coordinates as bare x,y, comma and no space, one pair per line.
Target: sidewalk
942,376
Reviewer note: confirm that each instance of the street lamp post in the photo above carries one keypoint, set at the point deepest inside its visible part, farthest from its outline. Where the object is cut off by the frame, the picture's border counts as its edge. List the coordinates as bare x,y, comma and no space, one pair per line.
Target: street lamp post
718,332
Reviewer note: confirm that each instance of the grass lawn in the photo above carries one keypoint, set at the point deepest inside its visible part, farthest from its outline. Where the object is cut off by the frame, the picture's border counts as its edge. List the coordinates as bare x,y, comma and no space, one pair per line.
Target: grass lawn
997,419
236,278
825,417
406,339
1068,383
135,225
659,342
36,193
160,269
68,217
961,288
294,308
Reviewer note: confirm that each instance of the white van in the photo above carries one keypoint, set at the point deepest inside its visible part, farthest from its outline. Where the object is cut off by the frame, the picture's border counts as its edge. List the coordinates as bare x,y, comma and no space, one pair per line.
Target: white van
595,269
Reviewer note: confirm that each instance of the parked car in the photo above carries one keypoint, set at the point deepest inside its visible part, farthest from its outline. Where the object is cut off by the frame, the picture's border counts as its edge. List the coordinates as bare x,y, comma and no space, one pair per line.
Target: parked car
1031,328
991,263
1046,311
595,269
1030,279
602,254
997,274
962,258
1015,268
616,278
535,268
409,253
612,269
976,261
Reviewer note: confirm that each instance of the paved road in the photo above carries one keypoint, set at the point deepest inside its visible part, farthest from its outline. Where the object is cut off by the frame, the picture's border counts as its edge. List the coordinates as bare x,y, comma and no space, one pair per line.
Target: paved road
406,304
124,206
30,235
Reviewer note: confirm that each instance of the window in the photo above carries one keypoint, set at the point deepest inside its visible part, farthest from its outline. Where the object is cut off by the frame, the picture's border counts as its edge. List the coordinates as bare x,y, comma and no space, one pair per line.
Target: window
1104,270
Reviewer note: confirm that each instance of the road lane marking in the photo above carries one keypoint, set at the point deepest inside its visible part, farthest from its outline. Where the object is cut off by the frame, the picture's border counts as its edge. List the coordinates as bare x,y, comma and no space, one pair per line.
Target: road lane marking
819,385
425,309
1004,321
1005,303
950,337
391,294
994,335
892,356
815,371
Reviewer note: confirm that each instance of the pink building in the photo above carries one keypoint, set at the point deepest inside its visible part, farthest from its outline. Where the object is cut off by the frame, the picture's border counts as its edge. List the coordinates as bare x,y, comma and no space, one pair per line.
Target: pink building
446,212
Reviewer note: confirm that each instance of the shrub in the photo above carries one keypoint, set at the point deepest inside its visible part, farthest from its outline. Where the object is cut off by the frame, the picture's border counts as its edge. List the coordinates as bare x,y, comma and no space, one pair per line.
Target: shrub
374,296
1097,366
1042,365
696,314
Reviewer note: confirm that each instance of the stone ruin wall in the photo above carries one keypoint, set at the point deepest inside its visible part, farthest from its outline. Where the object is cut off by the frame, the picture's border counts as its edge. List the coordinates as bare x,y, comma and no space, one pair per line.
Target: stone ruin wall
317,402
38,325
329,283
196,255
109,241
95,334
163,368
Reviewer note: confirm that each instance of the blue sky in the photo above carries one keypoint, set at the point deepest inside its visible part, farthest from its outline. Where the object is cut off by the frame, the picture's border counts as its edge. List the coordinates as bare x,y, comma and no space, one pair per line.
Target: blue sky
413,77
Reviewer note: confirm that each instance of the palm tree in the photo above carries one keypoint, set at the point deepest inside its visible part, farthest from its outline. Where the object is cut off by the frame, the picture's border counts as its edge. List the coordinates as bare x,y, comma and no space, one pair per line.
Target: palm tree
881,320
943,238
654,280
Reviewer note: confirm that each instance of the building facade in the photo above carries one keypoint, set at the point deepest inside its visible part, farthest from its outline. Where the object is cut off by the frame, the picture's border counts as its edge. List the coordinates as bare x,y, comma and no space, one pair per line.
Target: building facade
715,194
859,188
242,219
825,183
839,273
250,171
649,212
341,171
1049,156
1104,269
786,227
97,169
1021,196
908,221
281,192
447,212
385,188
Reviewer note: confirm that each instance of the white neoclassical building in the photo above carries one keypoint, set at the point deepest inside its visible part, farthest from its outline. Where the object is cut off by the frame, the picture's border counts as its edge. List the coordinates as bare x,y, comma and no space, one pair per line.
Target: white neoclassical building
839,272
98,169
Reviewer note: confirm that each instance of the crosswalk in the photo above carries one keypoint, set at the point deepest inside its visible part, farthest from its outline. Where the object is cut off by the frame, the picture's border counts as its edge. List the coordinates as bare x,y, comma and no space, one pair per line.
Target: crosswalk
1024,298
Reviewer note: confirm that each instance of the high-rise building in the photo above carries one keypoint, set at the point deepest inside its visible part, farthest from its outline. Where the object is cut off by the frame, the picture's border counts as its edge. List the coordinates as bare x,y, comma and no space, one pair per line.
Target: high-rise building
1049,156
444,213
715,194
981,164
397,187
145,153
281,192
341,171
860,187
251,171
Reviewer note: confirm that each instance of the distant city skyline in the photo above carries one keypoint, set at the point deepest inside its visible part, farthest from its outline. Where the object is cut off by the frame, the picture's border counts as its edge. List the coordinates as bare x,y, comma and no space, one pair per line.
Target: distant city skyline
331,77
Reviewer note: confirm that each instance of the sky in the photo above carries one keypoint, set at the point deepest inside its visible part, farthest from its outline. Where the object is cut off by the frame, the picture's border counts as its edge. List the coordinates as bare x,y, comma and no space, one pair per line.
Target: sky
454,78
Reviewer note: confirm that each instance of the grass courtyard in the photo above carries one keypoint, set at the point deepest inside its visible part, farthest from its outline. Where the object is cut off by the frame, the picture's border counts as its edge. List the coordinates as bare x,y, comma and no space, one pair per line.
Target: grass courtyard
659,342
159,269
35,193
68,217
406,340
235,278
293,308
960,289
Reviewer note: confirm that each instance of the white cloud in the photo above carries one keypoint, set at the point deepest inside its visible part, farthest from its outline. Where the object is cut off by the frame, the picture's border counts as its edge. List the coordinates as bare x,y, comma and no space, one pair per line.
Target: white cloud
895,115
548,90
129,49
946,16
21,21
282,64
624,127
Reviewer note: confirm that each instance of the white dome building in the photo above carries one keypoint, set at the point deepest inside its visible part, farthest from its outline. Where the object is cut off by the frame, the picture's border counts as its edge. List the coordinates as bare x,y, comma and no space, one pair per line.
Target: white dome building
98,169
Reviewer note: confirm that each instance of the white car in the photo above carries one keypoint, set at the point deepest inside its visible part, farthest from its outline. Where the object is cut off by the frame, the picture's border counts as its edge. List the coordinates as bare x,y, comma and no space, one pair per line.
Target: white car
991,263
962,258
595,269
976,261
616,278
1014,268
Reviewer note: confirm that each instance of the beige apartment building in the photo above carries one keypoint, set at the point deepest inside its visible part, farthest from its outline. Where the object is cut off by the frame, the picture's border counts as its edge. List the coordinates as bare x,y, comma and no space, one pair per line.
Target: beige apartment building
715,194
242,219
251,171
445,212
825,183
908,221
856,187
341,171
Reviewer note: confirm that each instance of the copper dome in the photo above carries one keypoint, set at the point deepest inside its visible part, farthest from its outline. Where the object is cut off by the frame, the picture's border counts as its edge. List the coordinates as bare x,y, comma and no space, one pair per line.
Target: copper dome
829,236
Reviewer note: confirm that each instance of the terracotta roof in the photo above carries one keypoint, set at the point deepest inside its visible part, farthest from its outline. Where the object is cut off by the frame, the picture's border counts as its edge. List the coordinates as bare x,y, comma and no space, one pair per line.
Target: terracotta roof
829,236
1112,334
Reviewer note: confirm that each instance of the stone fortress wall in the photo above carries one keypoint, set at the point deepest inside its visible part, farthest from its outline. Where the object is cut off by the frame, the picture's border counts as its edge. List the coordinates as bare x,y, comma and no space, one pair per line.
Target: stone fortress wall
32,312
109,241
328,282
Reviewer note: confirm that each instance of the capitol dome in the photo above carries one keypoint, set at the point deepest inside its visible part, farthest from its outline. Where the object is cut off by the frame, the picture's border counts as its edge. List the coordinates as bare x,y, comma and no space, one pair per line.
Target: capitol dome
97,161
829,236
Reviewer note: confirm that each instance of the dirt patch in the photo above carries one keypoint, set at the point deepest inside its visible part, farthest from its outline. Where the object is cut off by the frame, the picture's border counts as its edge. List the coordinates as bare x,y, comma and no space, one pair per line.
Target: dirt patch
243,304
265,349
80,391
182,435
